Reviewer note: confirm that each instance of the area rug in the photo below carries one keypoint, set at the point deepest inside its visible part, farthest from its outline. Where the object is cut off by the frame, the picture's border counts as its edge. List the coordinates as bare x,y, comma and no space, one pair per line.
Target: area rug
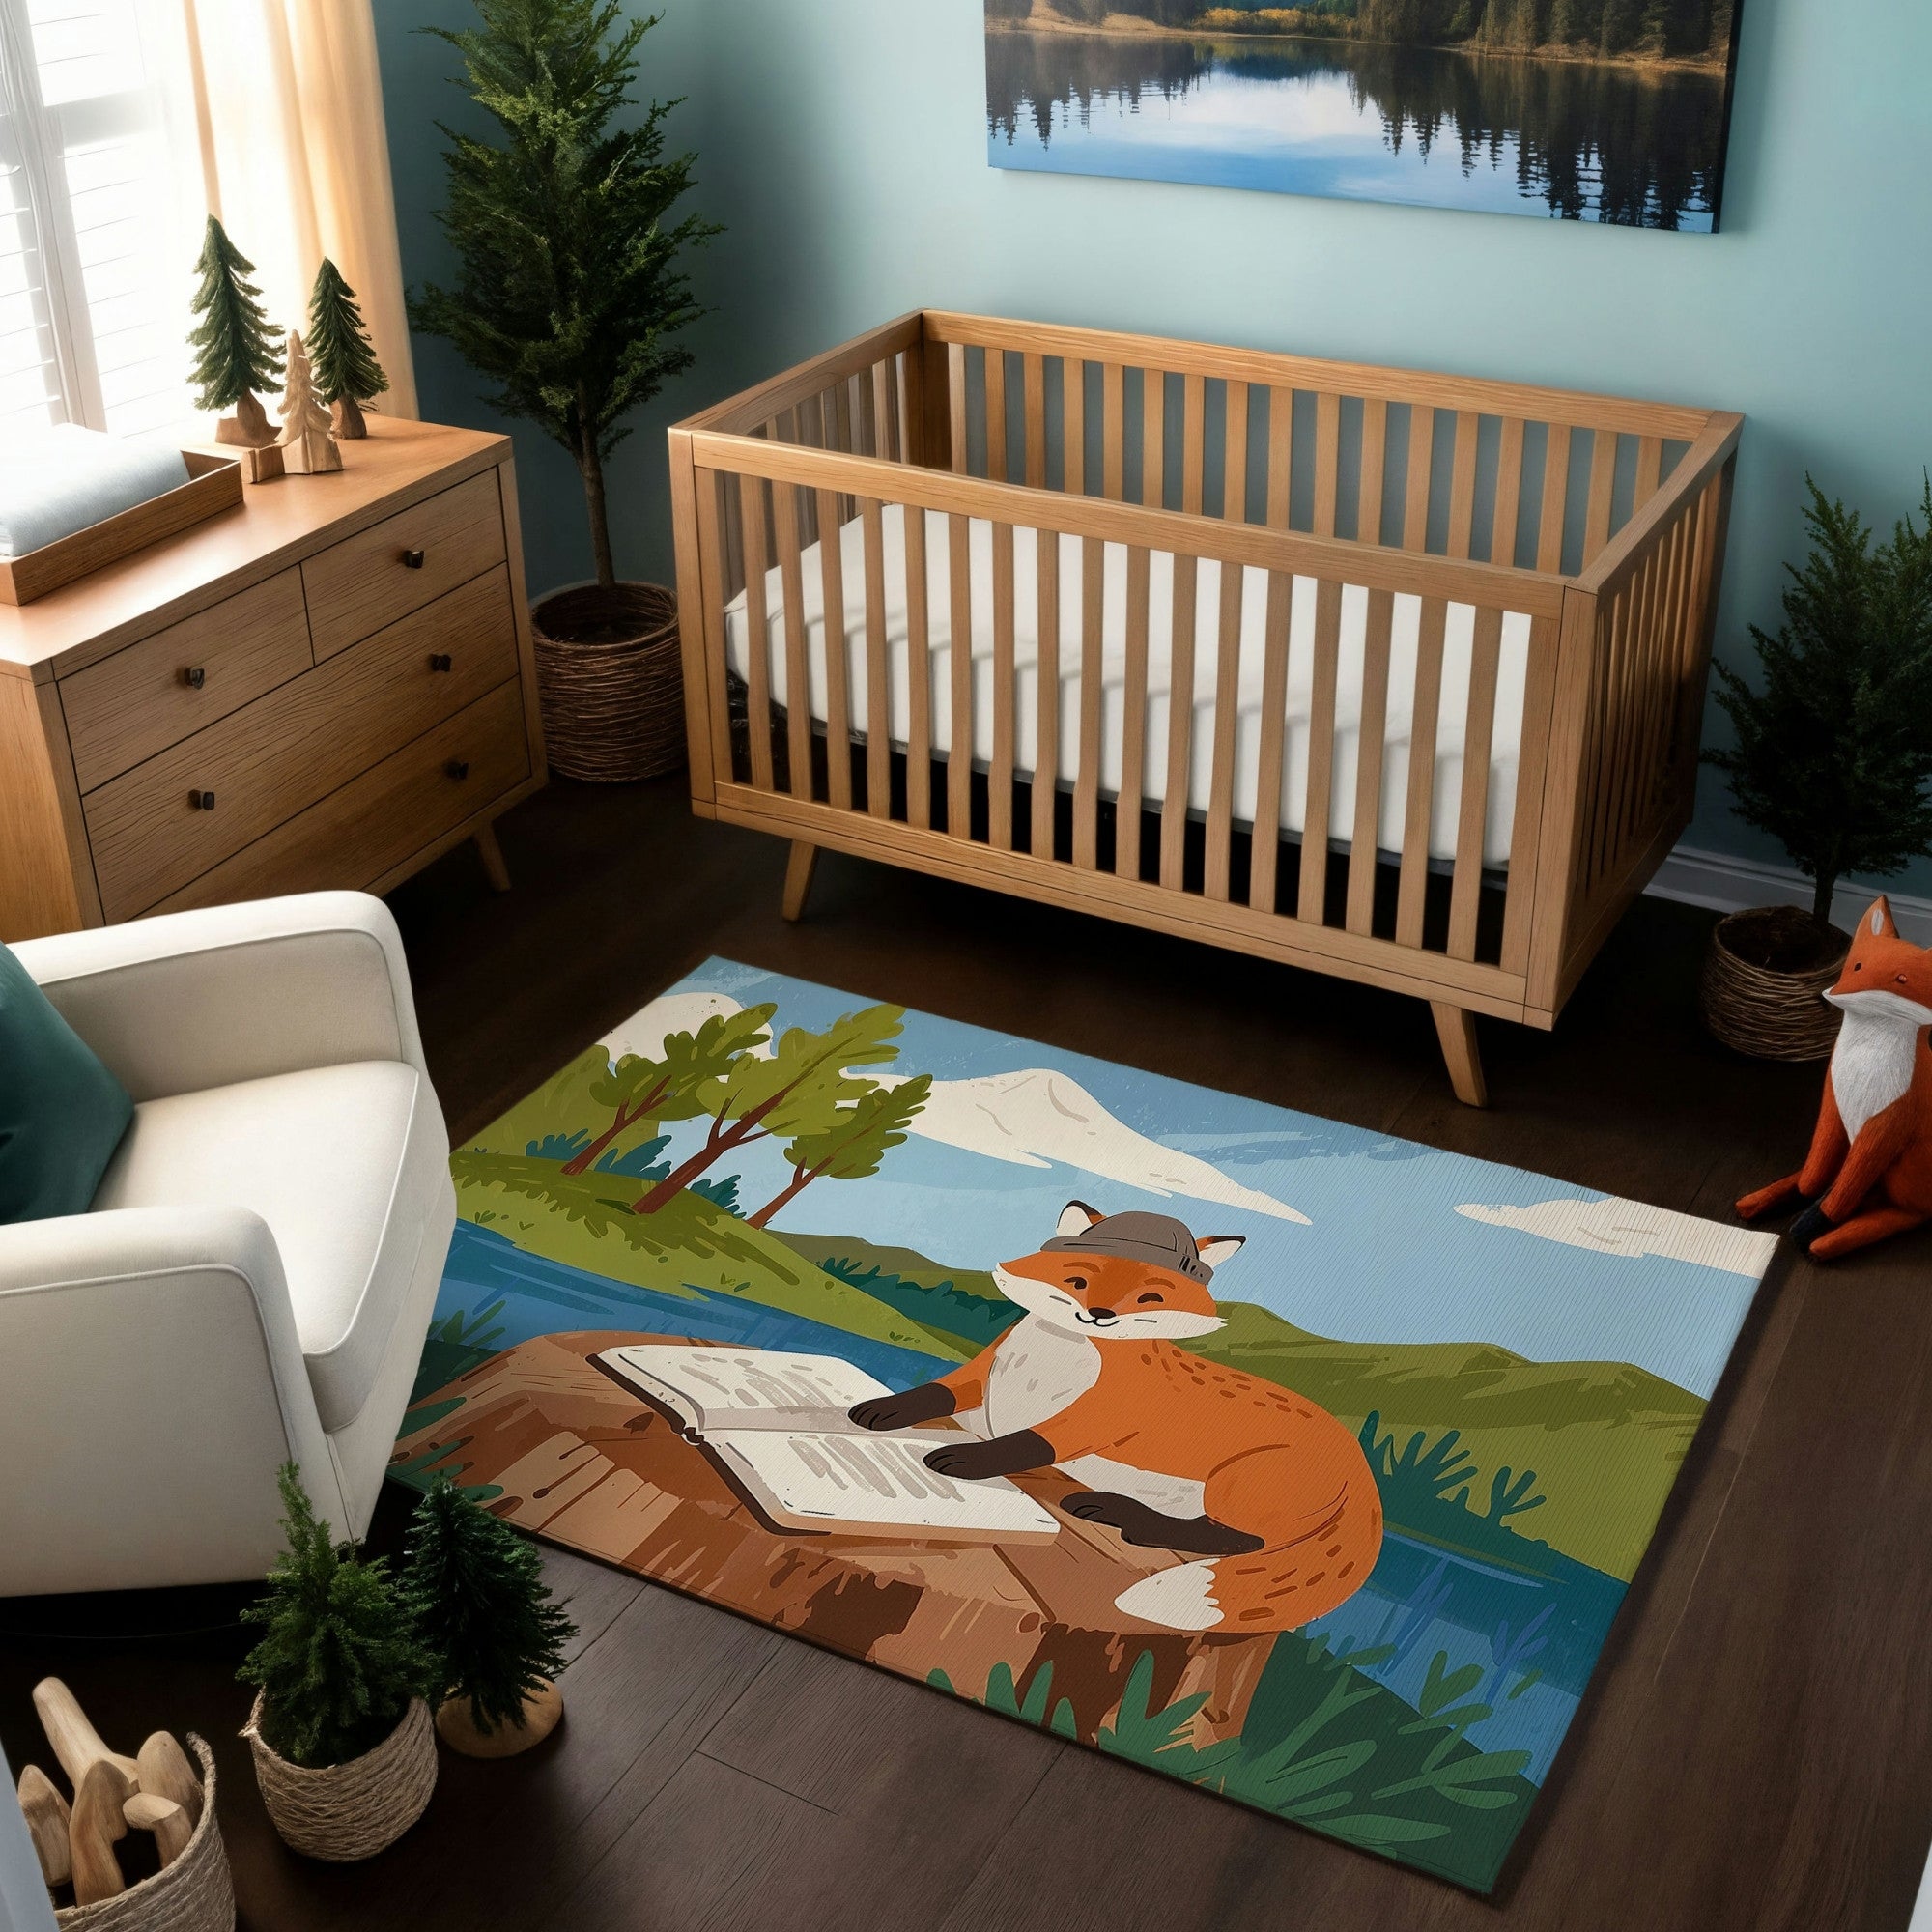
1304,1464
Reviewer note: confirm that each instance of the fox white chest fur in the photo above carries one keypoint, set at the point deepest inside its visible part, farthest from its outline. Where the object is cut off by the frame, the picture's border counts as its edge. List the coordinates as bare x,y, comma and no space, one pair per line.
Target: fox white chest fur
1871,1065
1037,1372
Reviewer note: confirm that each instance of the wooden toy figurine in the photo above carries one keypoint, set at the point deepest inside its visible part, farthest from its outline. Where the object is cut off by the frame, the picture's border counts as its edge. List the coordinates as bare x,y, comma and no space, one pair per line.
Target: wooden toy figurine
307,448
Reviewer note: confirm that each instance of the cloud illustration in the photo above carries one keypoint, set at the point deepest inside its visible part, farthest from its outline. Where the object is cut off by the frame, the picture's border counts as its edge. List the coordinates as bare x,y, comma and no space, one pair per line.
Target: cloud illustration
645,1032
1633,1230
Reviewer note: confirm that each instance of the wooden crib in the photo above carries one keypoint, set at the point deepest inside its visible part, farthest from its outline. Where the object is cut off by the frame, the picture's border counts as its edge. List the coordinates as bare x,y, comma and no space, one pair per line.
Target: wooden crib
1210,599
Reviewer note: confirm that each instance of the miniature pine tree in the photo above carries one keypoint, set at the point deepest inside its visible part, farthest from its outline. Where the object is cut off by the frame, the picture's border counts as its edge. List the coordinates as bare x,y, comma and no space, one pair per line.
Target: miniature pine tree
347,373
339,1661
305,437
234,344
475,1588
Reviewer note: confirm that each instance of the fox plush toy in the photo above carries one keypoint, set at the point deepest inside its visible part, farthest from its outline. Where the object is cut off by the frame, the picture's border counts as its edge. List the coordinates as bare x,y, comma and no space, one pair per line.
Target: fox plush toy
1269,1496
1869,1171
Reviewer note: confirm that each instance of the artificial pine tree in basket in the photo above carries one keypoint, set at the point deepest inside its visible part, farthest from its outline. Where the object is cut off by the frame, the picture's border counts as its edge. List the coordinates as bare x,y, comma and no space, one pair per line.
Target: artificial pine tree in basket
1834,758
476,1589
570,297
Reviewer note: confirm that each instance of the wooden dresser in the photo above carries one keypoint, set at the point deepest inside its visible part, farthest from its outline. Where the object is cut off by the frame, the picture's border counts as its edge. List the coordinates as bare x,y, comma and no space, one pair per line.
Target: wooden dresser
326,687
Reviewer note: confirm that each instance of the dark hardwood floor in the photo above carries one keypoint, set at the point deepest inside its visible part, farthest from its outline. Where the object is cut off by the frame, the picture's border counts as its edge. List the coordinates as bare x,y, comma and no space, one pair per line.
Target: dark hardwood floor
1756,1748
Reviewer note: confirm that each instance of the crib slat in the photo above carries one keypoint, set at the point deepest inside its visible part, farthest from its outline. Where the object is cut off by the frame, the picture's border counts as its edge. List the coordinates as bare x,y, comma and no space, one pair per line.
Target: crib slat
838,705
919,674
1602,483
1263,864
787,509
1133,725
1046,726
1509,494
1193,438
1412,893
1226,711
1179,726
1374,471
885,386
1649,471
1087,779
999,779
757,631
1315,815
901,383
1555,498
1365,840
959,671
1465,893
1113,432
1280,456
1073,427
955,403
1327,461
1154,439
996,416
865,412
1421,463
1539,698
1462,484
1032,370
710,492
878,699
1234,468
1660,656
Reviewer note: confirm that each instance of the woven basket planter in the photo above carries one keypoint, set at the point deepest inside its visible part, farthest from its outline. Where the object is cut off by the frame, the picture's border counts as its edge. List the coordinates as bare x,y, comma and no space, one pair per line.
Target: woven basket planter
192,1894
612,708
352,1810
1757,1009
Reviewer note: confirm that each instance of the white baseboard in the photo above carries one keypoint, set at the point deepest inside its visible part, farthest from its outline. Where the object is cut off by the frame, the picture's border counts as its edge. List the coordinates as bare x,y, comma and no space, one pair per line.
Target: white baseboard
1727,884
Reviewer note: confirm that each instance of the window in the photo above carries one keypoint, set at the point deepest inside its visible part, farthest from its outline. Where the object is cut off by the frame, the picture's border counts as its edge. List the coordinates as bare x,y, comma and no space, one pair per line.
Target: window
94,279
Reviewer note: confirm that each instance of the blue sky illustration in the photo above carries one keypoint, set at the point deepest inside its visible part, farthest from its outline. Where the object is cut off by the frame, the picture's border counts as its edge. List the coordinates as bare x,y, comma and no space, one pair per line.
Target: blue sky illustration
1385,1256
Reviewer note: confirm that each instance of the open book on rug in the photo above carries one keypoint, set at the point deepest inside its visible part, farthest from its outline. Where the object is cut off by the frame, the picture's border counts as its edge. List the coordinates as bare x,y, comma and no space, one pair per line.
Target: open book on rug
775,1423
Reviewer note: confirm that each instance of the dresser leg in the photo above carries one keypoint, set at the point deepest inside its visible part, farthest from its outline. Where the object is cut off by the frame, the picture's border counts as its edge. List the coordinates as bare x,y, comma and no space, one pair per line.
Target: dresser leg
492,855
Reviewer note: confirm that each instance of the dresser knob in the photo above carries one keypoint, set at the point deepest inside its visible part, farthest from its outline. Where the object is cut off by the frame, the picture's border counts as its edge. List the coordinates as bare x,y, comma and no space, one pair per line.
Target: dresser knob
440,660
194,677
458,768
202,801
412,560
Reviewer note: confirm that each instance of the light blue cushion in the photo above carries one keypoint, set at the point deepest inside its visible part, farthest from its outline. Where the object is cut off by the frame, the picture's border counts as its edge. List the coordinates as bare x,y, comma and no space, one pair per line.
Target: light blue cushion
61,1114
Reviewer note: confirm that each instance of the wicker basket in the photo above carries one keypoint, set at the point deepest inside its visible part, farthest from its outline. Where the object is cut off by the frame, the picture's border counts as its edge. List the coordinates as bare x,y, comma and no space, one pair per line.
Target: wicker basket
1756,1009
350,1811
612,711
192,1894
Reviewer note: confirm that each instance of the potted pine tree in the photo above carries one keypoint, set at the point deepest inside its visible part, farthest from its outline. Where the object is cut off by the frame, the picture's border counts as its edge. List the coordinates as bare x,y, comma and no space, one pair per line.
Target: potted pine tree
1834,758
570,296
475,1592
344,1748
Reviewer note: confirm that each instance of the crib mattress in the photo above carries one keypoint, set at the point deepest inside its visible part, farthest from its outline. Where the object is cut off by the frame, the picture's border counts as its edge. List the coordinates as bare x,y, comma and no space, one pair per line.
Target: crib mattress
1400,723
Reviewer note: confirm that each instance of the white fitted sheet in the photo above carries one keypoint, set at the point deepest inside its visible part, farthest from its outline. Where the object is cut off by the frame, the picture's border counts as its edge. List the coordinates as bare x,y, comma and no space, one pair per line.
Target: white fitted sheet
1452,711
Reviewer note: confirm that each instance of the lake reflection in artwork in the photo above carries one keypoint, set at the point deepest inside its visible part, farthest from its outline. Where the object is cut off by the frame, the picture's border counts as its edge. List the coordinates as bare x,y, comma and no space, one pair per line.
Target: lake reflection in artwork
1628,141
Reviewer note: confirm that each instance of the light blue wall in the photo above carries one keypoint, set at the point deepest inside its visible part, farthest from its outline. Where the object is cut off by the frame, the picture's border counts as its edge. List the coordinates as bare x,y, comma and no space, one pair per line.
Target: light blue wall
842,142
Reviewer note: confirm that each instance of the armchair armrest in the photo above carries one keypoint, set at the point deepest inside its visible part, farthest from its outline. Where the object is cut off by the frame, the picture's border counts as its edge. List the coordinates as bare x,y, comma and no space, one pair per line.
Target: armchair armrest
200,999
151,1384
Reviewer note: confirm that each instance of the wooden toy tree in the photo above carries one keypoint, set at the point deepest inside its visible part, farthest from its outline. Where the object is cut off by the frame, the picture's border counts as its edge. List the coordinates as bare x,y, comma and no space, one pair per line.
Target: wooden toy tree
347,374
307,448
234,344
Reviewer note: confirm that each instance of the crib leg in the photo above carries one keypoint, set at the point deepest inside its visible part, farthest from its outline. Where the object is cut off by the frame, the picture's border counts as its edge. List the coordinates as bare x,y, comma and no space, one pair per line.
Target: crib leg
799,868
1456,1028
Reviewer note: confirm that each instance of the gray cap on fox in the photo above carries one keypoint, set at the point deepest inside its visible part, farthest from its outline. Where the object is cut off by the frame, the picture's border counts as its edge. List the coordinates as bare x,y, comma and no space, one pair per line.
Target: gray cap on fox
1157,1238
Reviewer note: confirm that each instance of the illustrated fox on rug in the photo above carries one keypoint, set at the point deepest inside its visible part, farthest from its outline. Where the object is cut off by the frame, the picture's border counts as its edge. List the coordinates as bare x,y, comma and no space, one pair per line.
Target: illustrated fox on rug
1268,1495
1869,1171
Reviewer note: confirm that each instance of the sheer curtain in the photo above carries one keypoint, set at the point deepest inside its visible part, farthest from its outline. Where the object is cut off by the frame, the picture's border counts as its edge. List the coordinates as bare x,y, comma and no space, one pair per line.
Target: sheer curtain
285,134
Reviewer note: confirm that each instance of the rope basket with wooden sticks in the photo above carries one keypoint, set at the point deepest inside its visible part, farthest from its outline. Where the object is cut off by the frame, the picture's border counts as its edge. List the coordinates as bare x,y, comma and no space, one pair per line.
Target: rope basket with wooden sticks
353,1810
189,1894
612,709
1762,1010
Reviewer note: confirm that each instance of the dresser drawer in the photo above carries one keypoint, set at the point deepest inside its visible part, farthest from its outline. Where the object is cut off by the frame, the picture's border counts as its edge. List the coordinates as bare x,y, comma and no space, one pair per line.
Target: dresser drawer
368,581
368,827
152,830
142,699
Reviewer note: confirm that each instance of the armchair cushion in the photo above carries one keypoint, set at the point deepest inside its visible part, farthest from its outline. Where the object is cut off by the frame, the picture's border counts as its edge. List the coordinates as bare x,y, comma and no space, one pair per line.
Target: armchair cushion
347,1165
61,1110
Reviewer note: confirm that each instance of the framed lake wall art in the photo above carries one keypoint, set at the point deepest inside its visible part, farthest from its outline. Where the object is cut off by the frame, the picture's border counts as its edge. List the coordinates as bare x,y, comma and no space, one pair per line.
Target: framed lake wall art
1583,110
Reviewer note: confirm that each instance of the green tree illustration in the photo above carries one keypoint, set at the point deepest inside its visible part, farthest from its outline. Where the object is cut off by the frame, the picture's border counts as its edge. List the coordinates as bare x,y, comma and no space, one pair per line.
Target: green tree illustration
851,1144
238,351
786,1093
347,374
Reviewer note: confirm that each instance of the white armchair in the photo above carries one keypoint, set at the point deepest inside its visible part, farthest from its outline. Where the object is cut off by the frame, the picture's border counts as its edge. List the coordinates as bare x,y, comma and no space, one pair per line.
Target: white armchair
255,1276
